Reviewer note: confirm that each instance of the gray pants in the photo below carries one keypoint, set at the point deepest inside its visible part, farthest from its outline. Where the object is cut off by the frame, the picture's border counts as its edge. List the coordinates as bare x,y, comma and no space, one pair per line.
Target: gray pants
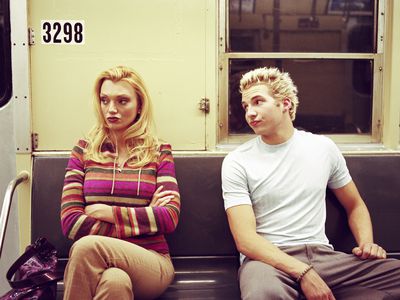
348,276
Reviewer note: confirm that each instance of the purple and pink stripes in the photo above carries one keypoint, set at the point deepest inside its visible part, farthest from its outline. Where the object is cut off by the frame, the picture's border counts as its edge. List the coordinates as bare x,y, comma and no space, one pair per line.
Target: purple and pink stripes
87,182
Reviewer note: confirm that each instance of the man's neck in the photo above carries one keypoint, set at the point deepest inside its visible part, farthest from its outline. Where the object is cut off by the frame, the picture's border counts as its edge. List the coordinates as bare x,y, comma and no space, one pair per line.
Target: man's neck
280,136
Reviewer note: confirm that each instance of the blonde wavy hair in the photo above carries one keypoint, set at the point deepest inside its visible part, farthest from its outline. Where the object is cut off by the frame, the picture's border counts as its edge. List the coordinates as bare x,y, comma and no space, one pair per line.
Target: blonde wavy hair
279,83
139,138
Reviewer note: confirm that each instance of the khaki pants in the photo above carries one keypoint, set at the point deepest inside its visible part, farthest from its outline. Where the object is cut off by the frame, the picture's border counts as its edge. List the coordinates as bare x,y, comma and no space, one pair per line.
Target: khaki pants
107,268
346,275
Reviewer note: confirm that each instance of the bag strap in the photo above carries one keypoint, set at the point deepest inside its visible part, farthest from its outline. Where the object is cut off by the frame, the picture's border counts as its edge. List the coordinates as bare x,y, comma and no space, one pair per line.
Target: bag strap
35,280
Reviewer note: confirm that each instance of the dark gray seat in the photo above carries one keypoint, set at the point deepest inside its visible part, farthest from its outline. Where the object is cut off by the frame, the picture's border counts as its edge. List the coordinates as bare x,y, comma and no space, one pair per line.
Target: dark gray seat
204,254
203,251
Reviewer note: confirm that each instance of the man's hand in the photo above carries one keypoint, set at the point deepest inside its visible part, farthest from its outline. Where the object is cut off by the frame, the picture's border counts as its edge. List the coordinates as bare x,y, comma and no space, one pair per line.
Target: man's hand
314,287
369,251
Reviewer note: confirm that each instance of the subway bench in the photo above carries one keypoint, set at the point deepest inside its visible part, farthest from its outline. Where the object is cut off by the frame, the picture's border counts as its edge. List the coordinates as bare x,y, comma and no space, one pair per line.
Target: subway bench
202,249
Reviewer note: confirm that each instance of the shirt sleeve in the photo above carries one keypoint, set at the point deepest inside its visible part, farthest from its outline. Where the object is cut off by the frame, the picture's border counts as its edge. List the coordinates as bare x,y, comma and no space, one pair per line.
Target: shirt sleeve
235,189
134,221
339,175
74,222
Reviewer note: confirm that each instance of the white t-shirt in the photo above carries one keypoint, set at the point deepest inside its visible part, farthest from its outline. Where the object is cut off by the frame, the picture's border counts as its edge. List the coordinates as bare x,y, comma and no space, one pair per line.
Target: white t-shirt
286,185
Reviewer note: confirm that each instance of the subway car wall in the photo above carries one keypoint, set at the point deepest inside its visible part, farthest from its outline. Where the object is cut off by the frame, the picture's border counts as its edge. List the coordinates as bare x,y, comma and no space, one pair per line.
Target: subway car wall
191,54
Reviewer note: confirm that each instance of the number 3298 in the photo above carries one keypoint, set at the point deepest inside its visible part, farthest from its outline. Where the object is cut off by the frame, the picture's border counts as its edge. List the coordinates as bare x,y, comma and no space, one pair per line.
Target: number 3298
63,32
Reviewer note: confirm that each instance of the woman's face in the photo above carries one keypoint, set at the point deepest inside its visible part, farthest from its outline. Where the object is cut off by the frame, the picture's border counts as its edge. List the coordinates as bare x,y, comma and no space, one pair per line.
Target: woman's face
119,105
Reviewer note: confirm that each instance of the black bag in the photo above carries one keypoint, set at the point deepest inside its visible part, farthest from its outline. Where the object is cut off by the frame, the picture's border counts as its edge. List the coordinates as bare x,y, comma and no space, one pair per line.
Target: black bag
33,275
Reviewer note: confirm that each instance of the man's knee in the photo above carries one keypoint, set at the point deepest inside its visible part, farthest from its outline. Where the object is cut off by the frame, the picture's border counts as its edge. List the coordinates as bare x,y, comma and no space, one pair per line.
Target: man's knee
265,290
362,293
261,281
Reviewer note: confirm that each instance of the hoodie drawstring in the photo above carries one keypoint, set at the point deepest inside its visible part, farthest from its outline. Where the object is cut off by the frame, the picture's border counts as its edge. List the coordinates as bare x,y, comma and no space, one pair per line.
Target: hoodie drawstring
113,179
115,160
138,185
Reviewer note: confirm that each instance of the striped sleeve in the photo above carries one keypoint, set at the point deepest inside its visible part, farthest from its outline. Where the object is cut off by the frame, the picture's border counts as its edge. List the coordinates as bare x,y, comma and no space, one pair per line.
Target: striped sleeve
74,222
131,221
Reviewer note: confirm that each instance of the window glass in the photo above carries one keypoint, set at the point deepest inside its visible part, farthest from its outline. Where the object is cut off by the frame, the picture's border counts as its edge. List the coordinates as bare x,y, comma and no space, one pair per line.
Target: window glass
335,95
5,53
336,26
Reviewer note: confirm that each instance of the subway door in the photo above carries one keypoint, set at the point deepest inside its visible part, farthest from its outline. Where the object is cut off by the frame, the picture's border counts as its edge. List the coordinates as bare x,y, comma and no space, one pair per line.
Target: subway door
72,41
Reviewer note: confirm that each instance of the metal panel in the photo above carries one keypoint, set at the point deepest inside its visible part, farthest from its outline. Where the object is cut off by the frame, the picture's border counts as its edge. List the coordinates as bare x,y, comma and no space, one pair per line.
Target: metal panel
20,75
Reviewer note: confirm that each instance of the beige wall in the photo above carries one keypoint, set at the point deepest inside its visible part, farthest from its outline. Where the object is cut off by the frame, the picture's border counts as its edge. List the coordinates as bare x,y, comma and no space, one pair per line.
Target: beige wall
170,43
174,45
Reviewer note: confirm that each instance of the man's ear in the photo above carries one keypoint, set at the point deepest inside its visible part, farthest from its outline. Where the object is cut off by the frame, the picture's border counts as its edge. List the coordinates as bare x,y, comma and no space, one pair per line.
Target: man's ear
287,104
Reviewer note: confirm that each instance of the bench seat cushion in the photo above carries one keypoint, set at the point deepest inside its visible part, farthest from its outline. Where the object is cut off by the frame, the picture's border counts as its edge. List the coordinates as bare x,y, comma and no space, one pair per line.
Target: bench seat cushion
197,278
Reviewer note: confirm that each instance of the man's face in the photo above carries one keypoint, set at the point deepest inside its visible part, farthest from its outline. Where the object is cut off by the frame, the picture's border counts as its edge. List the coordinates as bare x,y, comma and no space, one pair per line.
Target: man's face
263,113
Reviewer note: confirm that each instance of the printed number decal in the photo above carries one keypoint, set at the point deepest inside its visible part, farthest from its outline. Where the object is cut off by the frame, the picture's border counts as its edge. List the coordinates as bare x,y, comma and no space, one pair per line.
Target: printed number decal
63,32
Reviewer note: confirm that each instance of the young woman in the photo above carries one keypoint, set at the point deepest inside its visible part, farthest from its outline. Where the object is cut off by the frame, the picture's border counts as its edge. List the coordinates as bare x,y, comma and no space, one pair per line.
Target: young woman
120,197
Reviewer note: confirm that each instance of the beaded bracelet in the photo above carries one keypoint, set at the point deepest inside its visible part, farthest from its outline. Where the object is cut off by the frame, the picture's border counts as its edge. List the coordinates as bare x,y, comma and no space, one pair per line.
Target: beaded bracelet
303,273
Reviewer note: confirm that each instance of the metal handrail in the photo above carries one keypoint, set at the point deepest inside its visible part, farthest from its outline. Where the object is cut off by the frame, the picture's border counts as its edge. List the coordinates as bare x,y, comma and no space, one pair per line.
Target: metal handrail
5,210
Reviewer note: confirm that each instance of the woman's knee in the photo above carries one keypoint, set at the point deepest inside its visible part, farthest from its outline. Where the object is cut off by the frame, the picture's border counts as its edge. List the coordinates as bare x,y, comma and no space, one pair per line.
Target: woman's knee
83,247
116,278
114,284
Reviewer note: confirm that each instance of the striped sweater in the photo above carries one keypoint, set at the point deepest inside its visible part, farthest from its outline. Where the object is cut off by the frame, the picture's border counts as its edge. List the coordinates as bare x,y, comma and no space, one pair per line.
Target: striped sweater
128,190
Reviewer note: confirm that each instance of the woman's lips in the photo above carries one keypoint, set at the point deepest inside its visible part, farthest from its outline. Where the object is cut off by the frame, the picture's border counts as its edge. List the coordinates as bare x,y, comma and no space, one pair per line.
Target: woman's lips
112,119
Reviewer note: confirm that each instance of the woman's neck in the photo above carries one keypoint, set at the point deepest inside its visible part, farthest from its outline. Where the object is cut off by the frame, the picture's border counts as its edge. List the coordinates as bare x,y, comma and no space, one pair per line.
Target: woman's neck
121,148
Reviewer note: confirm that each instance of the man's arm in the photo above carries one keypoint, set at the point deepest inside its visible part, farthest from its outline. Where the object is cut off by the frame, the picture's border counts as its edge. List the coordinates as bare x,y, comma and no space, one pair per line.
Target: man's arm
243,227
359,222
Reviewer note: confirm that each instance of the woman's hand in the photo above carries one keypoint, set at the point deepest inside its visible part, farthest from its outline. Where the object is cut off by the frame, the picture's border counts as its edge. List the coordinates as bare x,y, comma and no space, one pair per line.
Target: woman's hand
100,211
162,198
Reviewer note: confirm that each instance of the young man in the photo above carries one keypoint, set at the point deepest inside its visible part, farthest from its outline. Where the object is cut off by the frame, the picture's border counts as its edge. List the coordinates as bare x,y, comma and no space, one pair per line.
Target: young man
274,192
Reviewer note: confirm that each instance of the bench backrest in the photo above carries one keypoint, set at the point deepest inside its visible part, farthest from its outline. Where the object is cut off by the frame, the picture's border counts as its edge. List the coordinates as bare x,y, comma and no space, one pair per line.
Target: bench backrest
203,229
